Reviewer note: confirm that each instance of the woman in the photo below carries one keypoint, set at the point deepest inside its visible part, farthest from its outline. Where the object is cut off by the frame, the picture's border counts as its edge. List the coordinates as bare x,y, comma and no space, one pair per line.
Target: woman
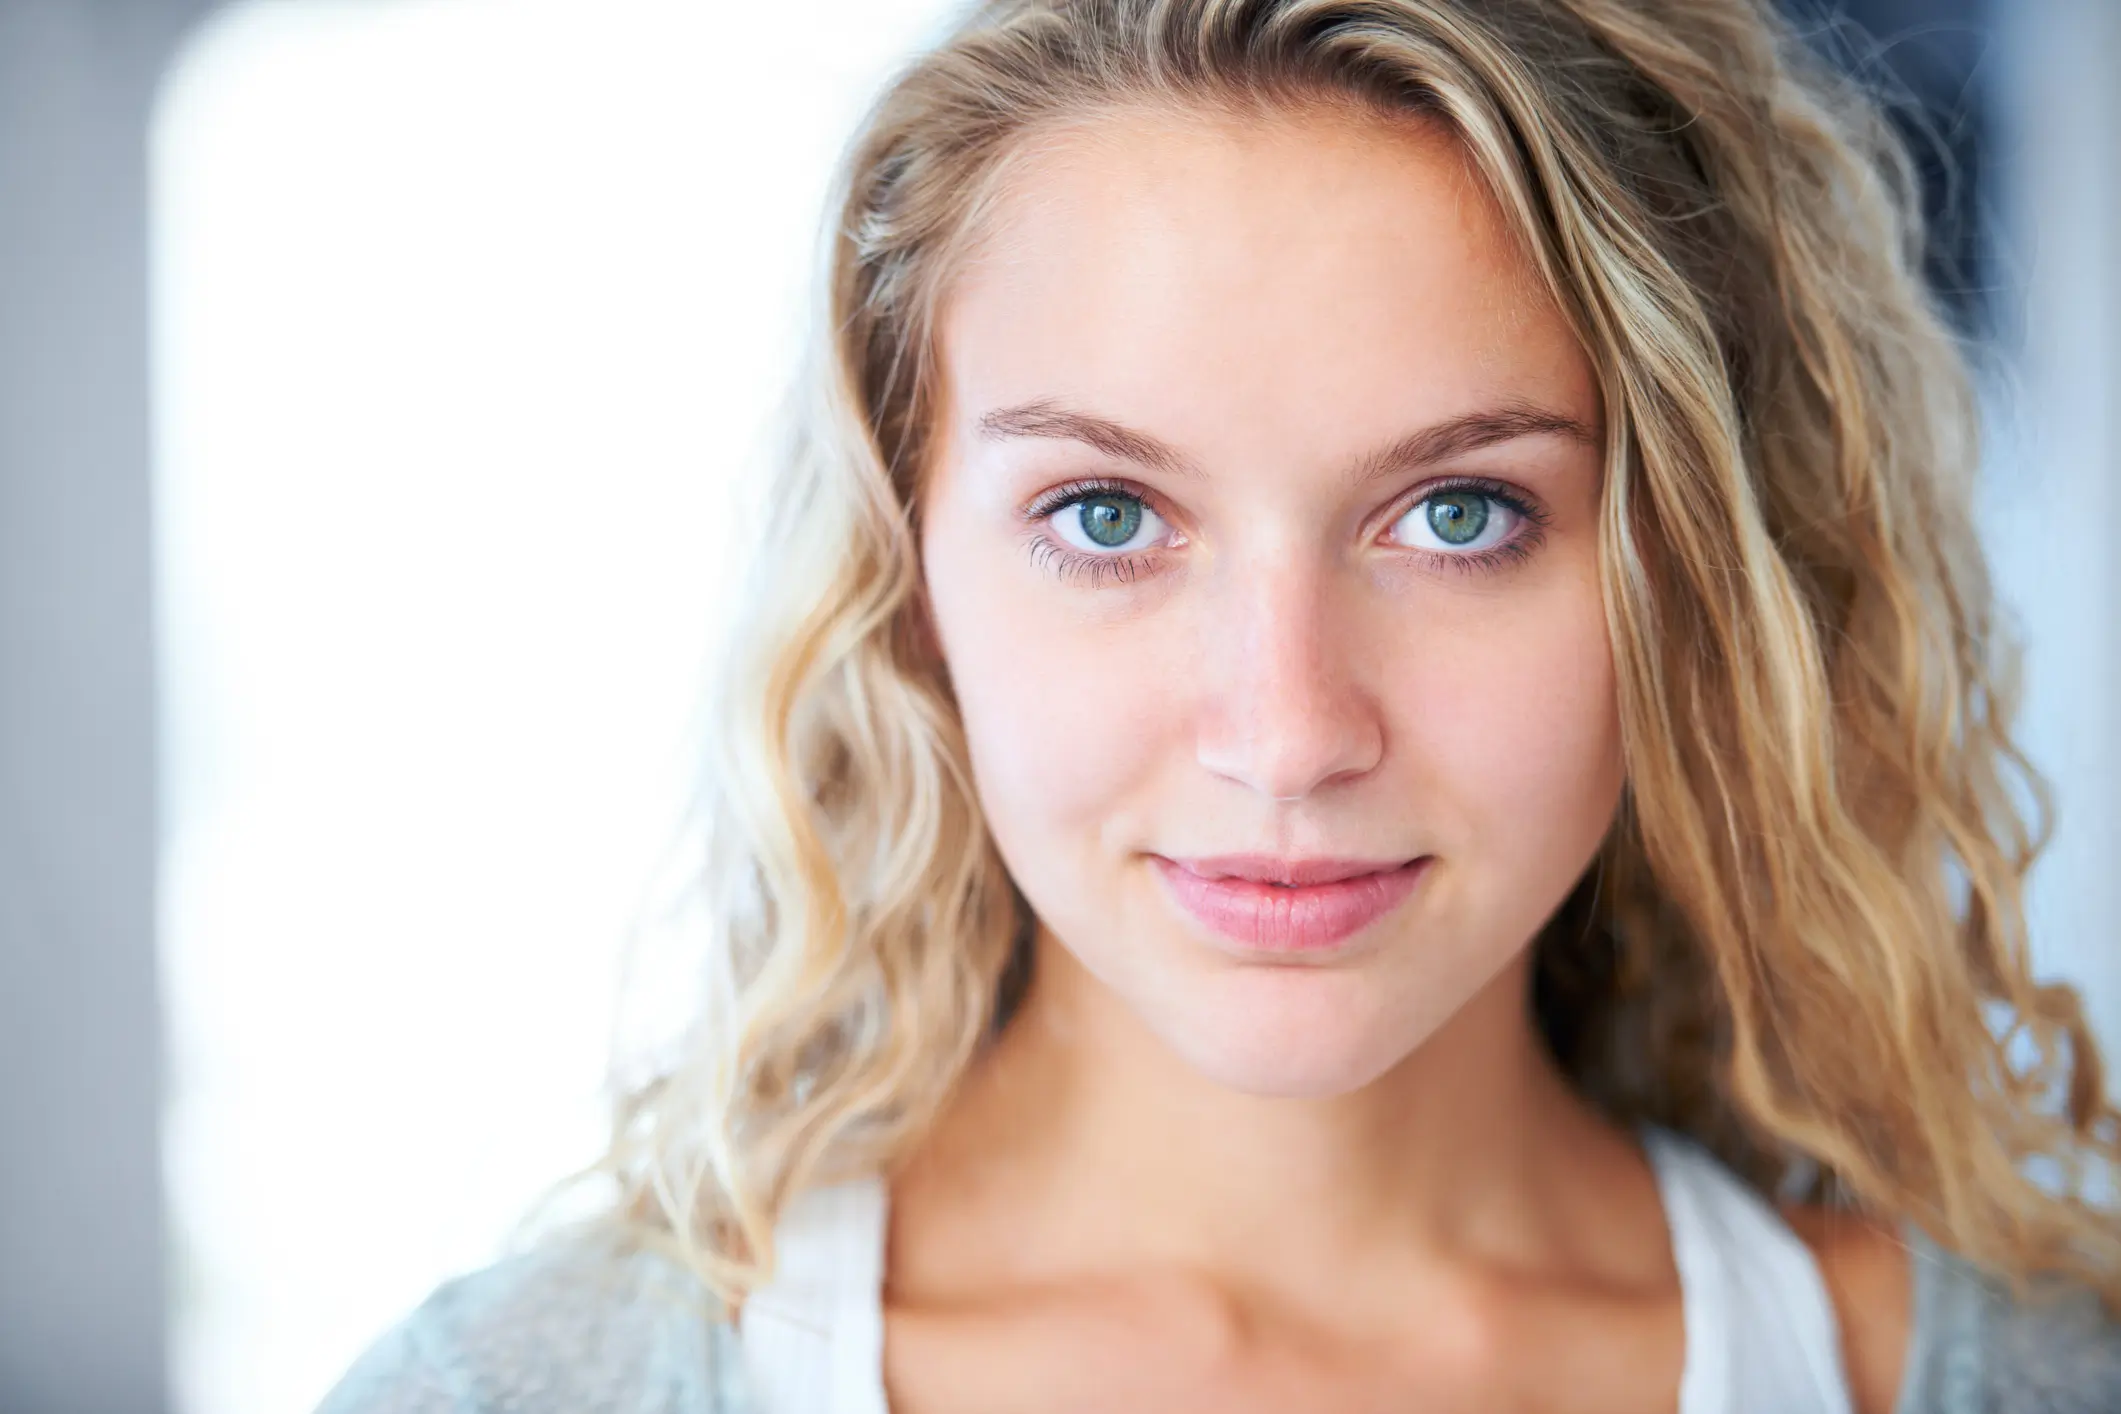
1368,767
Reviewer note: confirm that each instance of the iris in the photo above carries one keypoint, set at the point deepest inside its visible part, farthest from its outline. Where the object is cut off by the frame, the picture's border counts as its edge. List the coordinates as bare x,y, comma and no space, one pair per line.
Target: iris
1111,520
1458,517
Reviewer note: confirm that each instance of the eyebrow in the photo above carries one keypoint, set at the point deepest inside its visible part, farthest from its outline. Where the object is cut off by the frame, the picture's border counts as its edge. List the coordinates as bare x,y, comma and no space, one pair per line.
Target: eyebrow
1045,417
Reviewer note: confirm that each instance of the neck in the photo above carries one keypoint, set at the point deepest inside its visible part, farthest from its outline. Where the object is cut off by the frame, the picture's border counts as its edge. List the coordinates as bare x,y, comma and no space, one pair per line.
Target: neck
1094,1148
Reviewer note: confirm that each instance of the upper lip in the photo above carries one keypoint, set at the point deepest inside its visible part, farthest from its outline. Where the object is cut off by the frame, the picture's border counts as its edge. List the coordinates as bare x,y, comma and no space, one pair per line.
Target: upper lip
1271,869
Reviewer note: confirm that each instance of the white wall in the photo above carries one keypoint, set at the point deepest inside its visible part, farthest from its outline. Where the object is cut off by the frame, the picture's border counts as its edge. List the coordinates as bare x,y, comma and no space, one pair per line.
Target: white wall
2054,488
468,315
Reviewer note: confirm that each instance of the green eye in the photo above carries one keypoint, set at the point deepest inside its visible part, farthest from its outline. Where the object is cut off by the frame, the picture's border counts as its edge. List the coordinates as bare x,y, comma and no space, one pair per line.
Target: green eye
1469,522
1110,521
1457,517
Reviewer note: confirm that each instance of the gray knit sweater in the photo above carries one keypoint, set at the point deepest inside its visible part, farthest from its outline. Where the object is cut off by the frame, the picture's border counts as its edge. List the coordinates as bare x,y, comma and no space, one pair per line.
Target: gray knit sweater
583,1325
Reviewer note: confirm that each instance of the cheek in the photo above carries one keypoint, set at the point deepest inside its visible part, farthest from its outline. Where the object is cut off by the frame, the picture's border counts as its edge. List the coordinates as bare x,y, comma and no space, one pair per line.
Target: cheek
1064,719
1518,738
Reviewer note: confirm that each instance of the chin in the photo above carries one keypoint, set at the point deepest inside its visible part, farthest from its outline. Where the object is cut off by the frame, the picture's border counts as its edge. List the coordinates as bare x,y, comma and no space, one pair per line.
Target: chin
1288,1035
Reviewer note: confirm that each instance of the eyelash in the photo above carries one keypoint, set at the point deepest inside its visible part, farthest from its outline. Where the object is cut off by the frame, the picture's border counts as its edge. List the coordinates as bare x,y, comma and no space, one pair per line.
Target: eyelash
1075,566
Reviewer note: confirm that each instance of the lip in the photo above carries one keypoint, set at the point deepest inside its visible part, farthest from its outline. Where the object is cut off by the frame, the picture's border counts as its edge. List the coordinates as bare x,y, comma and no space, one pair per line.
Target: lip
1272,869
1332,906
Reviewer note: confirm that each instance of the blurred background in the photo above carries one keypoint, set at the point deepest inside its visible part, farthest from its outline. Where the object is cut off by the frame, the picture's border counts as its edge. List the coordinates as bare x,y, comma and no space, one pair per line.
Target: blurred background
376,381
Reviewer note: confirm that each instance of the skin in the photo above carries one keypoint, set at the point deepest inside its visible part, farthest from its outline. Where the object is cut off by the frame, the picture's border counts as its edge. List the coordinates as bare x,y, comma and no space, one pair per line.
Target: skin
1188,1176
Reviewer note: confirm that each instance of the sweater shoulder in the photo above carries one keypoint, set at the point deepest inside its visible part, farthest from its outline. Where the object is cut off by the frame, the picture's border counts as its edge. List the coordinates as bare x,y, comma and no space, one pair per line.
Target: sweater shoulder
1978,1347
586,1322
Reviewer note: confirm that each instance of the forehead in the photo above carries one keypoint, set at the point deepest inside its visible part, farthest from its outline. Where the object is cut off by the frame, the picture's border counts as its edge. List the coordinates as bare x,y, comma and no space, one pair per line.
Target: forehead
1282,270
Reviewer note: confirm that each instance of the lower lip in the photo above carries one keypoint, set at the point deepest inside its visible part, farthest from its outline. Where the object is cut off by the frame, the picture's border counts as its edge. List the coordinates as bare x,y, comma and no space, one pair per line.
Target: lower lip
1266,918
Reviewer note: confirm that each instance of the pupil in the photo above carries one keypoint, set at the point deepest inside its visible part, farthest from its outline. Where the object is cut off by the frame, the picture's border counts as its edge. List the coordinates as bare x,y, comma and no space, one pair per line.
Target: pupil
1458,517
1110,520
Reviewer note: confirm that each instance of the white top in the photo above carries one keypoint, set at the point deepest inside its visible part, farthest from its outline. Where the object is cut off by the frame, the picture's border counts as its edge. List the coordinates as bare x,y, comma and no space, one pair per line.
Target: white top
1761,1336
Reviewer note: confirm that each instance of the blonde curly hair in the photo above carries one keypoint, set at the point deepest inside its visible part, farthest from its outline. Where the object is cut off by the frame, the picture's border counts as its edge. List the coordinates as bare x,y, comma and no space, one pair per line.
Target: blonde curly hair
1803,942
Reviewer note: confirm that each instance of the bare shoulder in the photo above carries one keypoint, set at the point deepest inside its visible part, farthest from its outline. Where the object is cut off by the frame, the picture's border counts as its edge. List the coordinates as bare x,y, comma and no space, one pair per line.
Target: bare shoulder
1869,1275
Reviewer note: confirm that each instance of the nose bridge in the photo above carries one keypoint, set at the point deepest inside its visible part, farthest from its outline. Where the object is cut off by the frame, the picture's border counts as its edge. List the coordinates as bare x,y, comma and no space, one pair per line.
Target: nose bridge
1289,709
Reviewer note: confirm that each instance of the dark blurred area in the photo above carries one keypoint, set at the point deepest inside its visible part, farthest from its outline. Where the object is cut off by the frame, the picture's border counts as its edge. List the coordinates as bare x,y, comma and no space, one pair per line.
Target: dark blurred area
1937,59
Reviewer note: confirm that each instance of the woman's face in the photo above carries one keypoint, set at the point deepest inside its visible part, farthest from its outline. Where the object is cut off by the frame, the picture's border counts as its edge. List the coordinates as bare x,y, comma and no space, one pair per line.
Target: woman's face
1262,521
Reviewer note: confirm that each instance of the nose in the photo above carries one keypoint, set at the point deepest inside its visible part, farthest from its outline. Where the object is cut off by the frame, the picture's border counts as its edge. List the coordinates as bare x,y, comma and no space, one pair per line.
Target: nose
1285,708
